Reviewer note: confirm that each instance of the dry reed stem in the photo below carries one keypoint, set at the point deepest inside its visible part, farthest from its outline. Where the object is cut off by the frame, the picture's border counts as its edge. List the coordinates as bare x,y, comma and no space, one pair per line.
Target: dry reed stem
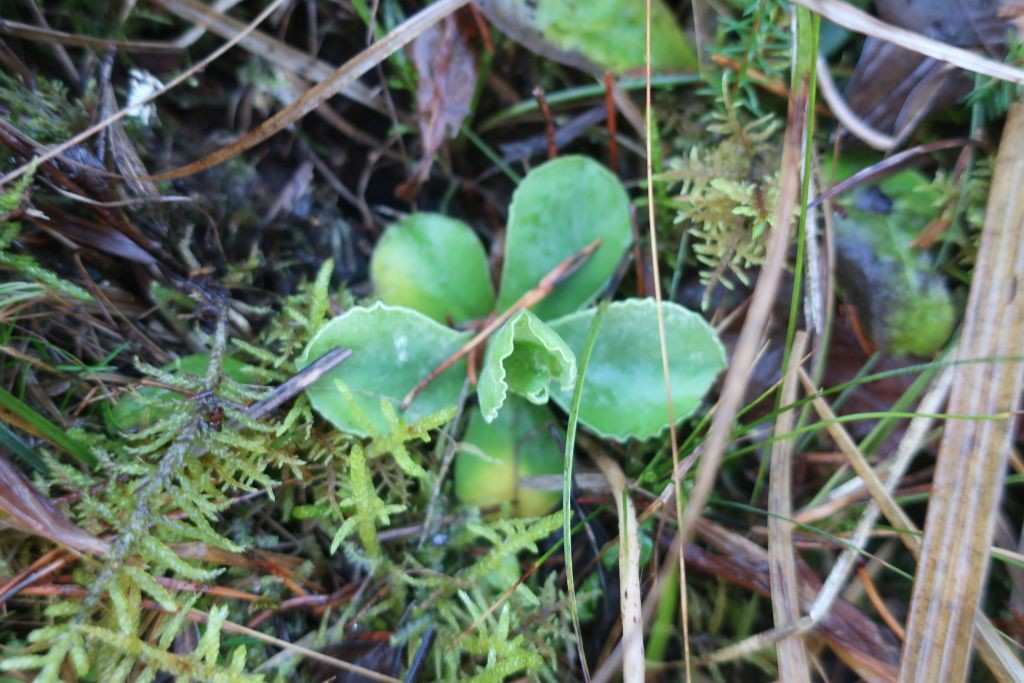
629,569
792,653
973,455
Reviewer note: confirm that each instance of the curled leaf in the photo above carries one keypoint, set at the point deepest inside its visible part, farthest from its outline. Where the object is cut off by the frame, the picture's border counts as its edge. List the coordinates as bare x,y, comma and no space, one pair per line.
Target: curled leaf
624,393
495,455
561,207
392,349
524,357
435,265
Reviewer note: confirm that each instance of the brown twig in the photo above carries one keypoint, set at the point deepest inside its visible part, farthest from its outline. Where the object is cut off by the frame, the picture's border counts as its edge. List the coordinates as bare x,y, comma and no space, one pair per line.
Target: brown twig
549,123
612,123
295,385
871,590
547,283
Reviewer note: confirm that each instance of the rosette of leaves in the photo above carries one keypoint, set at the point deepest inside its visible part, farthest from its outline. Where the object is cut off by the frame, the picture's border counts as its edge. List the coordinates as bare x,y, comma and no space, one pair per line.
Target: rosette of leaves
429,270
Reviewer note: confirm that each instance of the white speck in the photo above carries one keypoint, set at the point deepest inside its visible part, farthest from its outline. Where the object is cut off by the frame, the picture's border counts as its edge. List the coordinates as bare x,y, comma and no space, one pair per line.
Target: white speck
143,85
401,345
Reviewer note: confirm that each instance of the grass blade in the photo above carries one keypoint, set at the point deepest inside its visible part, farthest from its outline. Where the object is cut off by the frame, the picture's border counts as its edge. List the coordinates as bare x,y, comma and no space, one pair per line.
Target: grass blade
14,411
570,445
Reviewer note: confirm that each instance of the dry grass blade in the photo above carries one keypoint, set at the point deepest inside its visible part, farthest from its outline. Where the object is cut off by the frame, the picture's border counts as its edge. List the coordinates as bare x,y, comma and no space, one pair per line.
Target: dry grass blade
890,165
862,130
850,17
994,650
867,648
820,612
49,35
742,362
792,654
684,617
911,442
629,570
354,669
342,78
267,47
973,455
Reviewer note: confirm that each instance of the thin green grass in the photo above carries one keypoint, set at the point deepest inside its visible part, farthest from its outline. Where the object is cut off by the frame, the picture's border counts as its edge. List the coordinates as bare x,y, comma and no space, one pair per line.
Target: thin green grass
570,446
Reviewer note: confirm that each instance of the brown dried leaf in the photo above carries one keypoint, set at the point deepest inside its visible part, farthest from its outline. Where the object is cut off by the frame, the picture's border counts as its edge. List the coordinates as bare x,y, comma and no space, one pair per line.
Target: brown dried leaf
34,513
893,89
447,69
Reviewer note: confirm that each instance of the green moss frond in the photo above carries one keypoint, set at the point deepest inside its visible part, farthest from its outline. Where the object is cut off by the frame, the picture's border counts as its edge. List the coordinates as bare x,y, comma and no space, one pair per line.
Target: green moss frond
726,195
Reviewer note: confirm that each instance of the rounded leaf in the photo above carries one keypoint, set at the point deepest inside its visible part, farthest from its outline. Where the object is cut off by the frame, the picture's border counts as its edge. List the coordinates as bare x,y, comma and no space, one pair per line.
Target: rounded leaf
435,265
561,207
392,350
494,455
524,356
624,389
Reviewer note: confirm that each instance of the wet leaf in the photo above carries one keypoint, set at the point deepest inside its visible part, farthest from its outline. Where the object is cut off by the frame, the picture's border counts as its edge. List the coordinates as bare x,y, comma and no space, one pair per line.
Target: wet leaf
392,349
903,305
496,454
524,356
435,265
446,66
624,391
561,207
595,35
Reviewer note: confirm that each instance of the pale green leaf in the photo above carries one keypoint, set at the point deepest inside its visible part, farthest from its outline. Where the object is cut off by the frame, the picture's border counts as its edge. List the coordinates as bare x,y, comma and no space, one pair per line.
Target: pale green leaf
435,265
624,393
392,350
561,207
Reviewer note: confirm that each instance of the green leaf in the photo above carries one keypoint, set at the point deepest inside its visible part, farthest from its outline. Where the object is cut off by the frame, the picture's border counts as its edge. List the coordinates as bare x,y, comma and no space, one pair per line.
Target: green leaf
624,394
392,350
560,208
494,455
524,356
903,304
146,405
607,33
435,265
